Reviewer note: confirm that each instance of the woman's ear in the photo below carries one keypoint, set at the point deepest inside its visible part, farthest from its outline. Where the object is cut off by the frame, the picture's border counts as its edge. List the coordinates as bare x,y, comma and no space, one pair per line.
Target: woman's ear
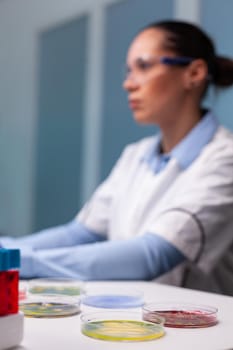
196,74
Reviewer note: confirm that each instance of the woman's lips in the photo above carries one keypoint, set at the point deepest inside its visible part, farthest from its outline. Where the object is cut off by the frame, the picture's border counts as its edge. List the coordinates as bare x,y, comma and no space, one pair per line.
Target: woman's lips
134,104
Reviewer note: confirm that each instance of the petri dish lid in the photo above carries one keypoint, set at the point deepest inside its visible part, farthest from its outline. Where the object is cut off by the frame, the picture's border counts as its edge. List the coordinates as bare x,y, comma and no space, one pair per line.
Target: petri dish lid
60,286
49,306
113,298
120,326
181,315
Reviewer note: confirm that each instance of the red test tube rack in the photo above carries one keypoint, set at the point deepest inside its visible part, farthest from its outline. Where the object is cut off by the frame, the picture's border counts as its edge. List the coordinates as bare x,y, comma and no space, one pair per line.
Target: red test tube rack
11,320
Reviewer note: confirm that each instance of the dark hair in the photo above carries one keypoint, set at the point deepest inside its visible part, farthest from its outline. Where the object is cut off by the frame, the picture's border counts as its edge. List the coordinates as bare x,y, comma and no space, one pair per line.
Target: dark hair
187,39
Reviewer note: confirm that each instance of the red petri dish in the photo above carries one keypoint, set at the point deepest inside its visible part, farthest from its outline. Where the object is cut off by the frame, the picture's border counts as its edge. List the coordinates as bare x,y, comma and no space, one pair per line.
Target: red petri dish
181,315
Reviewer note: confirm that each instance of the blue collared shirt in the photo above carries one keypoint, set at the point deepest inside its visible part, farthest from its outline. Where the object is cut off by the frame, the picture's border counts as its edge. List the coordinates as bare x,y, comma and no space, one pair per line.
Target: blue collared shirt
194,142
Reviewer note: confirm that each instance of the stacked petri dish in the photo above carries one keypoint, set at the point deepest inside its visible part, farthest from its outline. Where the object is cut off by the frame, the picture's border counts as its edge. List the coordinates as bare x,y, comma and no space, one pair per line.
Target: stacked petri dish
181,315
52,298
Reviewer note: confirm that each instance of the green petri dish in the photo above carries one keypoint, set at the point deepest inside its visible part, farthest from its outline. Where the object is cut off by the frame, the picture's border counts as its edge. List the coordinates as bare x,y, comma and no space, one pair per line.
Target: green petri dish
50,306
119,326
60,286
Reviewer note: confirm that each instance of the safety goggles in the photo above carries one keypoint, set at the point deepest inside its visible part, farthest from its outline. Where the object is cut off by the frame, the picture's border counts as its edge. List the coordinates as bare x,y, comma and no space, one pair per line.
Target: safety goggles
140,71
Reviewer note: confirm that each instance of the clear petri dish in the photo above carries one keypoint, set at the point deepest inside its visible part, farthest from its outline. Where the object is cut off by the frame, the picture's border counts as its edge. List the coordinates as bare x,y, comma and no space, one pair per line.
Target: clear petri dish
50,306
120,326
23,288
181,315
60,286
113,298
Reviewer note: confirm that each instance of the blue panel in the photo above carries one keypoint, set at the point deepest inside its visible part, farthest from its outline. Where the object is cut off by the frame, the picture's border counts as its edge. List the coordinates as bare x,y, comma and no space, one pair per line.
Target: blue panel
123,21
60,122
217,21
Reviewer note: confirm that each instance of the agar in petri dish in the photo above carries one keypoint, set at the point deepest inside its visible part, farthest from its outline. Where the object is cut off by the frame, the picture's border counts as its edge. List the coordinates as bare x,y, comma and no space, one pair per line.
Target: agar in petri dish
181,315
60,286
113,298
119,326
50,306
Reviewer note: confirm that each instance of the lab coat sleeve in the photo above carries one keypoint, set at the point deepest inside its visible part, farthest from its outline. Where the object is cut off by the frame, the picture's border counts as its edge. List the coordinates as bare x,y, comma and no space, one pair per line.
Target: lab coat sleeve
72,233
140,258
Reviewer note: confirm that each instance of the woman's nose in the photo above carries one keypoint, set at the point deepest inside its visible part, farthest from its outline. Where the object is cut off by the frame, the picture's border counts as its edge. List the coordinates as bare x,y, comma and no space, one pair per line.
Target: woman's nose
130,83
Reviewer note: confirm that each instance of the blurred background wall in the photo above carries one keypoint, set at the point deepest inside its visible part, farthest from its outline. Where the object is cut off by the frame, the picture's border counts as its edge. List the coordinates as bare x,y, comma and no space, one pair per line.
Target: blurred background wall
63,114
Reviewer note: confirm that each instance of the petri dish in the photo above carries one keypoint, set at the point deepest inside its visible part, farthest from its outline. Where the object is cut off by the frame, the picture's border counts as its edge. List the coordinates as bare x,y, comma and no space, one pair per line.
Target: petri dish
181,315
23,286
113,298
60,286
50,306
120,326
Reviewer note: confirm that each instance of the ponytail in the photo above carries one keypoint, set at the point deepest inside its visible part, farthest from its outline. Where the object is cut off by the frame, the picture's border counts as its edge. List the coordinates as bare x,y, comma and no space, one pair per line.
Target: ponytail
222,72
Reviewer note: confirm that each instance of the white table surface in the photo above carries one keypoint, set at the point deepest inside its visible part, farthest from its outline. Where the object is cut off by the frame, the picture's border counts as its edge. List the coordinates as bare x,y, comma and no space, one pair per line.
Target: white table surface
65,334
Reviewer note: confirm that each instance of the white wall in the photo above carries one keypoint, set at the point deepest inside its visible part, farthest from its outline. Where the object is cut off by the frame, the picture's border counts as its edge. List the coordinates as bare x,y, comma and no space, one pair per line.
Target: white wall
20,23
188,10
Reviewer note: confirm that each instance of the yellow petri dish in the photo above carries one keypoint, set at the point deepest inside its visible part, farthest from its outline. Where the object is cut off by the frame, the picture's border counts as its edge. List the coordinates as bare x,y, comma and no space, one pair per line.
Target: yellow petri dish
50,306
119,326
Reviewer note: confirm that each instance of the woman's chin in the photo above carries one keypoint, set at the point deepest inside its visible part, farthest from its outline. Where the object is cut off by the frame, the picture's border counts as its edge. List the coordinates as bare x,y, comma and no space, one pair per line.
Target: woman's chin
143,119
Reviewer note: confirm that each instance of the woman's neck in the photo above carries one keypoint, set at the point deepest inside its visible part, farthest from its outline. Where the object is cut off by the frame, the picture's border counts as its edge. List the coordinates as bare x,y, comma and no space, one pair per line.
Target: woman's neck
175,131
